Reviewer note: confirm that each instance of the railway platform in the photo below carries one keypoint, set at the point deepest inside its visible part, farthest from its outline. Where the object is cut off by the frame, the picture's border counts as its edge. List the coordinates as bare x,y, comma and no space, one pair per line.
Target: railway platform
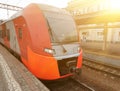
103,57
14,76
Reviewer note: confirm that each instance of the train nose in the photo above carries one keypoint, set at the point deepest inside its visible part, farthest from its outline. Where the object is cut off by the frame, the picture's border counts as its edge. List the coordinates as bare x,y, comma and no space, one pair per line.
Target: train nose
72,69
75,70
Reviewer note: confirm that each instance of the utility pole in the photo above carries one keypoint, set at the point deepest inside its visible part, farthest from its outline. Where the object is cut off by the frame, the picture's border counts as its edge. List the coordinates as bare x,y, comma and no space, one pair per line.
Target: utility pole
105,35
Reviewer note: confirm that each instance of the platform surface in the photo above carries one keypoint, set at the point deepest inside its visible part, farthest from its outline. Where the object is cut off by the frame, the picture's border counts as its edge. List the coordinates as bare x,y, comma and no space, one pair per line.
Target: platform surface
14,76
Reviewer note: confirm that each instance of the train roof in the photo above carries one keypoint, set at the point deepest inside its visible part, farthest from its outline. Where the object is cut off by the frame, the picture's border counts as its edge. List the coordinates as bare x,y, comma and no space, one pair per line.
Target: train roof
50,8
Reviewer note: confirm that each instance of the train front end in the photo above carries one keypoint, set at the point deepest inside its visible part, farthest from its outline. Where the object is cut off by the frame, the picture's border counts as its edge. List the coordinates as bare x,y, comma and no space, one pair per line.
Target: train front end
65,44
53,49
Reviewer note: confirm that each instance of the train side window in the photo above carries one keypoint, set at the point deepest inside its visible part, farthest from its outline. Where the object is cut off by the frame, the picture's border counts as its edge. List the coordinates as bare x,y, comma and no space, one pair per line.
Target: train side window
8,34
4,33
0,33
20,33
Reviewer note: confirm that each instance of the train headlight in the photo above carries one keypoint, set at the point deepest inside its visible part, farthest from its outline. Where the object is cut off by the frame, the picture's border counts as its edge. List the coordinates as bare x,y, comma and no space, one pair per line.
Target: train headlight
79,49
76,49
50,51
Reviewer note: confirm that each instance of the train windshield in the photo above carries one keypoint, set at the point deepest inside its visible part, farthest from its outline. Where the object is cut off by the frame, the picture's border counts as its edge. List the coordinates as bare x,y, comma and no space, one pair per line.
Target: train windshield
61,25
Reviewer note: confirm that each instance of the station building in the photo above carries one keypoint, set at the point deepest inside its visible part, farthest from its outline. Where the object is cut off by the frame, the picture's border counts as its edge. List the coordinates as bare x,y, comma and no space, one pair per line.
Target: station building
98,23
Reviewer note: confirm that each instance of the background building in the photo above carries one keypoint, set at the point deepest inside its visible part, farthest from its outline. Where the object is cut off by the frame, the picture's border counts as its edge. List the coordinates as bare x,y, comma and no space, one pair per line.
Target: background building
78,7
98,23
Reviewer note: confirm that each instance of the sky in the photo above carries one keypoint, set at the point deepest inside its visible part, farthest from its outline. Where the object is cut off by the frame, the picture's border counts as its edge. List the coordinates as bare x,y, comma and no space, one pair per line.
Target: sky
24,3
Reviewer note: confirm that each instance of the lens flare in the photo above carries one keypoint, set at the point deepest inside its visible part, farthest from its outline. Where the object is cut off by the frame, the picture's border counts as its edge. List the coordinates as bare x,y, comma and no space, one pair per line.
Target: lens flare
114,4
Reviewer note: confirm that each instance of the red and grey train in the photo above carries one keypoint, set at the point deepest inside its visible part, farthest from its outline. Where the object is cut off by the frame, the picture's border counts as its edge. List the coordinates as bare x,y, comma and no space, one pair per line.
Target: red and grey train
46,39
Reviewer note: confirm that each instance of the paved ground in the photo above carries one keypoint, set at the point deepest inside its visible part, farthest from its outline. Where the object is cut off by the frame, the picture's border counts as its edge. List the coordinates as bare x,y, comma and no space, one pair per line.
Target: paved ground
14,76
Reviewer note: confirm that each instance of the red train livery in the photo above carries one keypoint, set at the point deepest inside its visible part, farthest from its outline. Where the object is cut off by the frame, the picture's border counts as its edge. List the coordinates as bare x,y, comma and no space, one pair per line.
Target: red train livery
46,39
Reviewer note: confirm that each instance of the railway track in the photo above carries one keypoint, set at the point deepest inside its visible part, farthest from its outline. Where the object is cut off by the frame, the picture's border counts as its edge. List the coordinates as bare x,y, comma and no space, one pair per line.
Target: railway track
102,67
86,86
67,84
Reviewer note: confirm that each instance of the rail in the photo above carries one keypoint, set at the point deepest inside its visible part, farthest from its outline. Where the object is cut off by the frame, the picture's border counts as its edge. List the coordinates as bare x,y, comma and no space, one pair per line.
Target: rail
103,67
67,84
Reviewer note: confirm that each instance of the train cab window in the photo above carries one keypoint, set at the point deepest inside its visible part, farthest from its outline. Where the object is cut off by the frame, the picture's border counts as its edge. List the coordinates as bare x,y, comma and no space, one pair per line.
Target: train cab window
8,34
20,33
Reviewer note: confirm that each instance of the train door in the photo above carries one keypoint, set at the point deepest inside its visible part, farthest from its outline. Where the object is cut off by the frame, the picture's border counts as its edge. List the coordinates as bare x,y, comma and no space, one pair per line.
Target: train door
13,39
1,35
21,32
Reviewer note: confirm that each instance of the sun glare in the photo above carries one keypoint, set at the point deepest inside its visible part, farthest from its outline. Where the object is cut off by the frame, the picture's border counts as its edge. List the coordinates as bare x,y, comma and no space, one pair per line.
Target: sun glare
114,4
